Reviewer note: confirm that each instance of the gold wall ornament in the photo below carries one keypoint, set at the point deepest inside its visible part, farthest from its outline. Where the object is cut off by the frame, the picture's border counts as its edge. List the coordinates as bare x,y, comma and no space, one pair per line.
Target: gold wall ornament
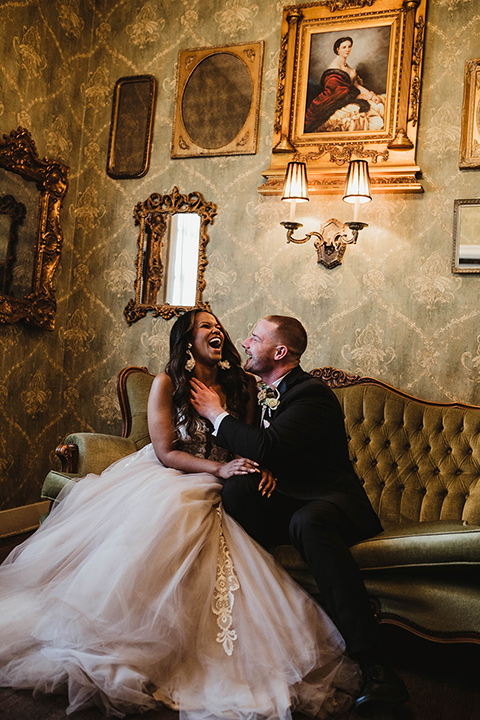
161,262
376,98
18,154
217,100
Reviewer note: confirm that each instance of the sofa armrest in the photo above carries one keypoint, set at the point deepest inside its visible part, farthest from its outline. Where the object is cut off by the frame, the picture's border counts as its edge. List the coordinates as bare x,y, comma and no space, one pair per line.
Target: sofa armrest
83,453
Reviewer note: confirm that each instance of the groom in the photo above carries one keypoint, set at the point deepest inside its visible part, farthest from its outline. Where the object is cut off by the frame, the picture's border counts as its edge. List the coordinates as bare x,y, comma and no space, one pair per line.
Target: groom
319,504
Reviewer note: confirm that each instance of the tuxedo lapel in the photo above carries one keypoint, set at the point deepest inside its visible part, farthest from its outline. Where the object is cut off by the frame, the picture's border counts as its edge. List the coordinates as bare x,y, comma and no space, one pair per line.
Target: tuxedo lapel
288,382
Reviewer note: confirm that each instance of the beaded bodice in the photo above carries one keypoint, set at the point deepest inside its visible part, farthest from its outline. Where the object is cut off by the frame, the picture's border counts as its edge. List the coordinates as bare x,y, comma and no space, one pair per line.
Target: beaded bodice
201,443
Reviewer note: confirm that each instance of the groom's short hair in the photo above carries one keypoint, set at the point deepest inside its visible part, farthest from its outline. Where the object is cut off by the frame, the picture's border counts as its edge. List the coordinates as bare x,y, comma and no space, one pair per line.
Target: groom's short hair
291,332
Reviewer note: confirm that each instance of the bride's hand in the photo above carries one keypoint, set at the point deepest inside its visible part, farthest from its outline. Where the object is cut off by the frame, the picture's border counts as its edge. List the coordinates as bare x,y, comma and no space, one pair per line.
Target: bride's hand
239,466
267,483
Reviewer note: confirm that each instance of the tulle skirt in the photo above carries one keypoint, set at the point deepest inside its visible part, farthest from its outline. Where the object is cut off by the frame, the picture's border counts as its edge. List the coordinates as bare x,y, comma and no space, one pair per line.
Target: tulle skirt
139,589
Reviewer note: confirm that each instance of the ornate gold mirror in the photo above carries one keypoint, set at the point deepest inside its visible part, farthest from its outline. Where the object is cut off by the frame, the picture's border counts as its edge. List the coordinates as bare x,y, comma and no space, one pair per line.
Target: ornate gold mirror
31,195
171,258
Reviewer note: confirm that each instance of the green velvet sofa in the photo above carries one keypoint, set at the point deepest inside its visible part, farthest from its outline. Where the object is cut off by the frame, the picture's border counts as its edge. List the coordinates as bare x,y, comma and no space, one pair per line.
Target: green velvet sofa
420,465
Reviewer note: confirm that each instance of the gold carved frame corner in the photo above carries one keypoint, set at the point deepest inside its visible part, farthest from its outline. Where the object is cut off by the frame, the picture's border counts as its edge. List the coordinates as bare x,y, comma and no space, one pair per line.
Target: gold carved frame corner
18,154
389,148
152,216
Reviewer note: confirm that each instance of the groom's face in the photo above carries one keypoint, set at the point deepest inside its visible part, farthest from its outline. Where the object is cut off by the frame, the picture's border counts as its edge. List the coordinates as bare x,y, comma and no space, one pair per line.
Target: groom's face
260,348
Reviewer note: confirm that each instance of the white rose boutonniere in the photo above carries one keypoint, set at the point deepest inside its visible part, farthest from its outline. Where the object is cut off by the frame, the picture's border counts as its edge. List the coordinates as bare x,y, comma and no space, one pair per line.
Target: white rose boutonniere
268,397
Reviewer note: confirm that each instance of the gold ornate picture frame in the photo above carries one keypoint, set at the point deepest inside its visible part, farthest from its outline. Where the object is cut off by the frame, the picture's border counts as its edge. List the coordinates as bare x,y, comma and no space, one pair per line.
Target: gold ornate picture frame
470,134
326,115
217,100
18,154
466,236
155,218
131,127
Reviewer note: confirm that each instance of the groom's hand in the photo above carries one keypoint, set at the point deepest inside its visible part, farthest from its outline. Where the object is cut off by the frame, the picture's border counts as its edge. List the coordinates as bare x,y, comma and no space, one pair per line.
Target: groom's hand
205,400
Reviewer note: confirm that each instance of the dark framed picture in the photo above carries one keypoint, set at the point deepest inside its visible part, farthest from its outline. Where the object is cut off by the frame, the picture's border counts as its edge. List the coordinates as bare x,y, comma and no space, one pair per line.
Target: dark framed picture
349,88
466,236
217,100
131,127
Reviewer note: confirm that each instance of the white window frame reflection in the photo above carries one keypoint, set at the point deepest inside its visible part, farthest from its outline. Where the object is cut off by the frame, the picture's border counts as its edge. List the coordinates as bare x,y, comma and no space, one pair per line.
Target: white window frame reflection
182,263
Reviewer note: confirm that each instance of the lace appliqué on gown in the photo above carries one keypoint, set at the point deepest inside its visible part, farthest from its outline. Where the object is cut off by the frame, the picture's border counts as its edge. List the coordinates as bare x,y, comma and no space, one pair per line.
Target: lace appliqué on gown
200,442
225,585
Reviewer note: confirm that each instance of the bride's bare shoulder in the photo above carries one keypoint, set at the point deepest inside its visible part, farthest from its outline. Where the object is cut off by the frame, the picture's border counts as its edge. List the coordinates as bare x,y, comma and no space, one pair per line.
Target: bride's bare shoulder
162,383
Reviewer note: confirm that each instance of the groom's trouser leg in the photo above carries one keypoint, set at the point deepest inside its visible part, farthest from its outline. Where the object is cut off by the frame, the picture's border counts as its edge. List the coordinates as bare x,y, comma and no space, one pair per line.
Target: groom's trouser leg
266,520
322,532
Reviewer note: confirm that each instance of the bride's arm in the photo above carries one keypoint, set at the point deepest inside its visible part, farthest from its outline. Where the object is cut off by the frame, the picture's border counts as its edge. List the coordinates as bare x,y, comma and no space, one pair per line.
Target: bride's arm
161,430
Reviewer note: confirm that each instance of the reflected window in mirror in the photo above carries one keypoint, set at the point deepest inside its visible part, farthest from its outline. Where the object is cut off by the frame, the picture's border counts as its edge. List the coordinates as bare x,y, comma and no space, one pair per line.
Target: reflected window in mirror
171,256
182,266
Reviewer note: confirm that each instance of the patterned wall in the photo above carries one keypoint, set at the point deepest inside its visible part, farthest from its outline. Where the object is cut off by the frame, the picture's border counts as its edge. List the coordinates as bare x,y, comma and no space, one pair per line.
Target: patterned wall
393,309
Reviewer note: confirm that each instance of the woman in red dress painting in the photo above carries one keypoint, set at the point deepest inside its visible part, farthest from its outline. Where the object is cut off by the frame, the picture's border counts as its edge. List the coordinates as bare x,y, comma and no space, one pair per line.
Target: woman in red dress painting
343,104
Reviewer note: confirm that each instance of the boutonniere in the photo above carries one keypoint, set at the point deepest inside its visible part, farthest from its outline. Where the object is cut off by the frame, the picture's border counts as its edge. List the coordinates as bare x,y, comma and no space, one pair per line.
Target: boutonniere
268,396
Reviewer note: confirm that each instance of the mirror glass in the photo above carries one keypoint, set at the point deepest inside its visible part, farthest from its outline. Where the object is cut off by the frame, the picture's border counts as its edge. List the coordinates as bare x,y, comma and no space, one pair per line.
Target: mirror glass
182,263
171,257
16,192
217,85
466,236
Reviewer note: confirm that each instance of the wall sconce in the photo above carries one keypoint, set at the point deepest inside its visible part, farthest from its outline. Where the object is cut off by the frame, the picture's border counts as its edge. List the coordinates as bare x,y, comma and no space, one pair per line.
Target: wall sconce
333,236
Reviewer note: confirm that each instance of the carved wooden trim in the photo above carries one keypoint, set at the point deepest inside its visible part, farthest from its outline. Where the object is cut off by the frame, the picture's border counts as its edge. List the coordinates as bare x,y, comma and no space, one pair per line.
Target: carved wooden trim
435,636
335,379
122,378
68,456
18,154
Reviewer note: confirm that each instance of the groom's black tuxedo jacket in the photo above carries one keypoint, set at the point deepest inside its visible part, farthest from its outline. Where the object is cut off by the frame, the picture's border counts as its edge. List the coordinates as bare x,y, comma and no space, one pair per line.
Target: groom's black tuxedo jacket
305,447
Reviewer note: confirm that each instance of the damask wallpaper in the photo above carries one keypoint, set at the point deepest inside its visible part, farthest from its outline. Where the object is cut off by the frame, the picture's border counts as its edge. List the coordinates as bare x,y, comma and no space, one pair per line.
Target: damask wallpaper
393,309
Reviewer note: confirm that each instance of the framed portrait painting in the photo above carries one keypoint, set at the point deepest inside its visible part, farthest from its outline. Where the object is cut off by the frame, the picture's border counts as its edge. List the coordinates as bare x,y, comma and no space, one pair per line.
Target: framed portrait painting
349,88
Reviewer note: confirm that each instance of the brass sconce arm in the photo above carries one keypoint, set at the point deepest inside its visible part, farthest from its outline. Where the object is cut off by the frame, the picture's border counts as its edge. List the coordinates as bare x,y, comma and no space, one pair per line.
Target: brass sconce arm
333,236
331,241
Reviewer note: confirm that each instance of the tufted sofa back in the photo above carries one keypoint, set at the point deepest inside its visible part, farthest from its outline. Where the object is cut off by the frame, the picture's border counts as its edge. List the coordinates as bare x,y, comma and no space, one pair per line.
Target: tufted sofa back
419,461
133,386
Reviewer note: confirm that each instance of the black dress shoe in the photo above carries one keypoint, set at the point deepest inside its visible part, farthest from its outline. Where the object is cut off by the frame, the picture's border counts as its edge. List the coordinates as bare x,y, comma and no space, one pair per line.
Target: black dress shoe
381,688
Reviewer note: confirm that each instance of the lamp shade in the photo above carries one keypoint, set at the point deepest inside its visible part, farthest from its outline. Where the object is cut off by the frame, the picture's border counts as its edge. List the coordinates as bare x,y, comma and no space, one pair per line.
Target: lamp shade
357,185
295,185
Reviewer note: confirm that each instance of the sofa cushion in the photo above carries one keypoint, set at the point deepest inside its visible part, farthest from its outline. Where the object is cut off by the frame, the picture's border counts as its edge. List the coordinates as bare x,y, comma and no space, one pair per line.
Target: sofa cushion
55,482
427,544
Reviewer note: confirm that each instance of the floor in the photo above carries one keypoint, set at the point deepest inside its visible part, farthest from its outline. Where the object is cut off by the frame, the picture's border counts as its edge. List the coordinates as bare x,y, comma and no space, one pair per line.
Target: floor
443,681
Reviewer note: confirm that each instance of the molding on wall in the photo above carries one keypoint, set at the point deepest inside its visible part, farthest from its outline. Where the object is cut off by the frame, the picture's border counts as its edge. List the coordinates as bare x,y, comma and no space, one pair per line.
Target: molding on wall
21,519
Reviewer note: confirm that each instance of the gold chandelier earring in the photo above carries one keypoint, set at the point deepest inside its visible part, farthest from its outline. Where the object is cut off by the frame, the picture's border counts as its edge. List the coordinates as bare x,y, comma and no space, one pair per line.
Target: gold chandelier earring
191,362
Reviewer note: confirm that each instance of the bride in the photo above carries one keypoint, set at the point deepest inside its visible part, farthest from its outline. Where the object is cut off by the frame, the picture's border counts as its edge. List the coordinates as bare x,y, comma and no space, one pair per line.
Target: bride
138,589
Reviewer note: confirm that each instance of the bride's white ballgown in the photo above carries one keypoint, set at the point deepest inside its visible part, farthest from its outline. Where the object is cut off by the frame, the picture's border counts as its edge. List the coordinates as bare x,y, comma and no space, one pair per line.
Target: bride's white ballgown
138,588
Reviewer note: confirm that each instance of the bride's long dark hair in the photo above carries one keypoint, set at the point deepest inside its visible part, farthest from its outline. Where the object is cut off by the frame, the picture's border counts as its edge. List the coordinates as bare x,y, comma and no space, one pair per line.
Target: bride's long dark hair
233,381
